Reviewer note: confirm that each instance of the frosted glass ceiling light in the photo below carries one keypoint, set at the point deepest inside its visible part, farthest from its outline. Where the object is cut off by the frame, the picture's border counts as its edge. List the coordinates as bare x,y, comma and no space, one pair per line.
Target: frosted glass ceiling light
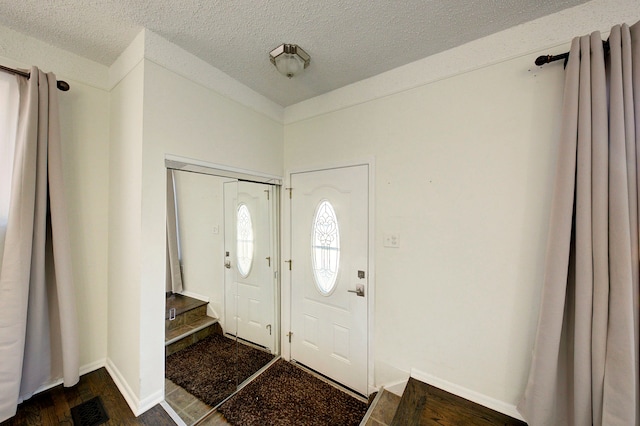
289,59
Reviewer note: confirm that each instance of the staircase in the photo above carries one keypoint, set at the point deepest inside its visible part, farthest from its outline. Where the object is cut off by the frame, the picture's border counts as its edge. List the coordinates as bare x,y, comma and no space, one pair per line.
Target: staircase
186,322
423,404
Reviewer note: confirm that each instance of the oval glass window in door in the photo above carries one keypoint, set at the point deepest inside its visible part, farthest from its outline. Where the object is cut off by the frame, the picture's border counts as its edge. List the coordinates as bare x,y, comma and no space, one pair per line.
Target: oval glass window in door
325,247
245,240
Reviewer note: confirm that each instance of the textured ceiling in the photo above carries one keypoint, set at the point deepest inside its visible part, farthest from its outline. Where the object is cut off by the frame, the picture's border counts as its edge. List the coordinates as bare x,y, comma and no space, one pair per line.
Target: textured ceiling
348,40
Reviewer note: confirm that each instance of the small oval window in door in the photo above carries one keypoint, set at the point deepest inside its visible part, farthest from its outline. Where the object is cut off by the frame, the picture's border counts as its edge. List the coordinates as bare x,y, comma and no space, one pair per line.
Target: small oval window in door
325,247
245,240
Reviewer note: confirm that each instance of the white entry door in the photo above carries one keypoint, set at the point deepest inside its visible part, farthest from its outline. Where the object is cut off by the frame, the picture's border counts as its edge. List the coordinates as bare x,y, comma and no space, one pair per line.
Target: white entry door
249,280
329,246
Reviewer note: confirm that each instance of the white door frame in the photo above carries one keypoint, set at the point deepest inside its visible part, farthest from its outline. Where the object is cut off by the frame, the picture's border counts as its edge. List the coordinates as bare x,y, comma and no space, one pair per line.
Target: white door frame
286,255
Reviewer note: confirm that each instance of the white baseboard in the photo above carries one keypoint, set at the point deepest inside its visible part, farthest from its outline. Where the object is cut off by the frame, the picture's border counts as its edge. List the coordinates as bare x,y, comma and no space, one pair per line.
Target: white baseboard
194,295
137,406
473,396
150,402
88,368
123,387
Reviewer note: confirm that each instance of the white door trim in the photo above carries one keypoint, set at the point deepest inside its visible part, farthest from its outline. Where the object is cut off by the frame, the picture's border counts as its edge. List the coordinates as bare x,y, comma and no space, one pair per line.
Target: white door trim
176,162
285,305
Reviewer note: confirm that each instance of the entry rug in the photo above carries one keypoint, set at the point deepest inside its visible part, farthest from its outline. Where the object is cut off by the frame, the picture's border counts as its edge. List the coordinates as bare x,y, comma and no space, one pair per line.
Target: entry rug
286,395
89,413
208,368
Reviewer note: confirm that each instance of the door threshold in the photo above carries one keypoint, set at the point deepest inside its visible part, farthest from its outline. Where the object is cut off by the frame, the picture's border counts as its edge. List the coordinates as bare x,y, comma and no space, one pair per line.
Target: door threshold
355,394
248,343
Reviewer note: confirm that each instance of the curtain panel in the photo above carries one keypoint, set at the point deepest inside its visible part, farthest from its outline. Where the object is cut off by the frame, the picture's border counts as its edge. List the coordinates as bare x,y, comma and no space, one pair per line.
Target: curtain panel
174,272
585,364
38,324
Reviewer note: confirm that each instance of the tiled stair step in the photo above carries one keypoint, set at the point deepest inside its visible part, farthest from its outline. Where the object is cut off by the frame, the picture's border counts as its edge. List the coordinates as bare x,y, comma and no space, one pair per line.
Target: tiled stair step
181,304
185,318
186,322
186,330
382,409
188,334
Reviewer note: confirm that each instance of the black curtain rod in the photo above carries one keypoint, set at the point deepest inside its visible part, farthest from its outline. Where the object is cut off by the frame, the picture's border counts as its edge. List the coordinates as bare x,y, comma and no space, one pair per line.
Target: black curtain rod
62,85
545,59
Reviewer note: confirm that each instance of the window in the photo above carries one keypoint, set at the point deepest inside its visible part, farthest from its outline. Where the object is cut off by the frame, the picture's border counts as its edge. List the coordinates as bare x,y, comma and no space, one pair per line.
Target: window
325,247
245,240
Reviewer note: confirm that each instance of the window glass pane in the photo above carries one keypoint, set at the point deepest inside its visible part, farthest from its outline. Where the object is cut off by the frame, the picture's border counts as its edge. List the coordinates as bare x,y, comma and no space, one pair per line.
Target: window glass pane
245,240
325,247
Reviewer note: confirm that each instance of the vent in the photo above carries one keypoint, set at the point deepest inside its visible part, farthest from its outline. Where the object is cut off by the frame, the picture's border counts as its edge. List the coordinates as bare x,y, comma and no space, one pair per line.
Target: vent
89,413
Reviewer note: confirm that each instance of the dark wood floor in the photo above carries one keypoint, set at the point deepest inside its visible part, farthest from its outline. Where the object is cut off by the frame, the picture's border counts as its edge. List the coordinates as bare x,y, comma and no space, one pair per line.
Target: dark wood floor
53,407
422,404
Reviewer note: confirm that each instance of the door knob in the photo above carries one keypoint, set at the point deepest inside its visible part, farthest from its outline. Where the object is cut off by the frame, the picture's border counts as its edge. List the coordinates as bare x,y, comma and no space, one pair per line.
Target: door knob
359,291
227,264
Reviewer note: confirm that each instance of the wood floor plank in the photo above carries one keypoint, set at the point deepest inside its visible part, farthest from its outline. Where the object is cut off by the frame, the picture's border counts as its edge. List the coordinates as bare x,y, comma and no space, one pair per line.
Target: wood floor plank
61,408
422,404
53,407
412,404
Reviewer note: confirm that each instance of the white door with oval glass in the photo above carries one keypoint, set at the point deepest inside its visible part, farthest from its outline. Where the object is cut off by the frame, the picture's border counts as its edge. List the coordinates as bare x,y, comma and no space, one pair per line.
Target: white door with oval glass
329,246
249,242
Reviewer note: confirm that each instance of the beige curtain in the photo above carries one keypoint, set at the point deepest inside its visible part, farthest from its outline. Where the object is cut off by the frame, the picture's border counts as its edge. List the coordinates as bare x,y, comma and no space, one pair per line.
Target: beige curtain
38,326
174,273
585,366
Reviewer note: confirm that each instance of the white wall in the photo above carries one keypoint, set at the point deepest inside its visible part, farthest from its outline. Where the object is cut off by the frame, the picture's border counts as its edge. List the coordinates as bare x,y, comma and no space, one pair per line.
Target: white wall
124,291
84,121
464,169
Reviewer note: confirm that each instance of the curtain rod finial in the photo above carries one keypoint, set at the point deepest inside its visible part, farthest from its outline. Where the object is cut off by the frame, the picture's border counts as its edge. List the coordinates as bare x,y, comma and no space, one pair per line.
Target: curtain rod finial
63,85
544,59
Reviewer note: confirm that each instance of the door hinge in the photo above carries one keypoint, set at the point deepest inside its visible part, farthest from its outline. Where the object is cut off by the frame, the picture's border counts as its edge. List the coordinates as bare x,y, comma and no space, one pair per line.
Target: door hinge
289,334
267,191
290,262
290,191
268,259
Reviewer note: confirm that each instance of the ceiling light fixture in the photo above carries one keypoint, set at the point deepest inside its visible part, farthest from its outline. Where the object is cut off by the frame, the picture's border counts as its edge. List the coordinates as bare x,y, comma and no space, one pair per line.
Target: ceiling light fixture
289,59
